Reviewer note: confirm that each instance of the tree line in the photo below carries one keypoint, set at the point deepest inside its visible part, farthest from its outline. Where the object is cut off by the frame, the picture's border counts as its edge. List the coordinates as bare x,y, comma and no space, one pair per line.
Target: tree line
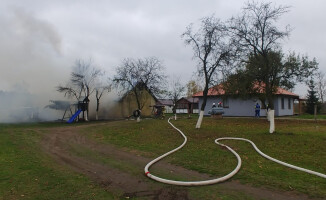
241,52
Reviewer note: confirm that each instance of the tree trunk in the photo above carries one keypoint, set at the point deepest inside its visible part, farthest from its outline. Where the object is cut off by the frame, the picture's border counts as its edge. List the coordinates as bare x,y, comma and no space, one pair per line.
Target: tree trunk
315,113
270,103
269,95
86,116
97,107
87,109
271,121
271,114
200,119
174,109
202,109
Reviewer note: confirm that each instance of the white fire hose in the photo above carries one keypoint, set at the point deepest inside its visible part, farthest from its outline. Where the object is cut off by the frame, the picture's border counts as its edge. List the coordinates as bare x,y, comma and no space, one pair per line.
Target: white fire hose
221,179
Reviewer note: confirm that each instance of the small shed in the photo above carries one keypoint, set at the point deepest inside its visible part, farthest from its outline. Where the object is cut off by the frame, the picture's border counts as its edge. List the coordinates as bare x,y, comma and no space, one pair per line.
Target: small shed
167,103
187,105
127,104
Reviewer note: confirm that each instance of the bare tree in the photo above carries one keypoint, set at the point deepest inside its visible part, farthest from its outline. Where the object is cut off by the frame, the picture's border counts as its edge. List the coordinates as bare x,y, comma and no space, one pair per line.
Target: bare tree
176,91
82,81
257,35
70,91
259,39
212,48
321,85
135,75
102,86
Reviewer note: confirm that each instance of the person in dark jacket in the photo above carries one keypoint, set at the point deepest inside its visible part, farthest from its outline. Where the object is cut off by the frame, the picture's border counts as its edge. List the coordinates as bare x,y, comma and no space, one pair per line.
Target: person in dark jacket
257,110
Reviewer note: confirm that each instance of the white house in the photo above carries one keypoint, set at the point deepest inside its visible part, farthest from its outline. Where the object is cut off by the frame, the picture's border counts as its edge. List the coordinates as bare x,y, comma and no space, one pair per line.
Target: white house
233,106
167,103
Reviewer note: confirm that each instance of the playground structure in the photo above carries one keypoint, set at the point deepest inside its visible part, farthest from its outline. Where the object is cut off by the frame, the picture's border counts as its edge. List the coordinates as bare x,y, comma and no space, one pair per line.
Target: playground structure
65,106
74,116
221,179
81,106
68,107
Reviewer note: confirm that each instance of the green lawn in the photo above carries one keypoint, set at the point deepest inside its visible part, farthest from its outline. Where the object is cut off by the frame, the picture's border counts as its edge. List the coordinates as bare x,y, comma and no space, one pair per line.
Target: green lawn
27,173
299,143
308,116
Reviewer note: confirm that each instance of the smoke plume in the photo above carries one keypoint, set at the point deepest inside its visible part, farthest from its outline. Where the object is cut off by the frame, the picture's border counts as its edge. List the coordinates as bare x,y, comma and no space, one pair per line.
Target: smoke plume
31,65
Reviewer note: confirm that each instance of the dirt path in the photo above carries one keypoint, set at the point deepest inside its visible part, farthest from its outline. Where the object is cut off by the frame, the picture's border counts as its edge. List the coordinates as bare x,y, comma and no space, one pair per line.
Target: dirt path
128,179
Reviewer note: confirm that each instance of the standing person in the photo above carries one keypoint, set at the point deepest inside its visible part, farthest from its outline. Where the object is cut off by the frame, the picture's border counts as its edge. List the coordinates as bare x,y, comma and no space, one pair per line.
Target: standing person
213,106
257,110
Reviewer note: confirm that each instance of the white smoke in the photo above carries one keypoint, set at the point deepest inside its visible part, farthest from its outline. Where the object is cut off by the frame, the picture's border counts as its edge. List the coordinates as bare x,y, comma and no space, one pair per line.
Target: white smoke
31,29
31,65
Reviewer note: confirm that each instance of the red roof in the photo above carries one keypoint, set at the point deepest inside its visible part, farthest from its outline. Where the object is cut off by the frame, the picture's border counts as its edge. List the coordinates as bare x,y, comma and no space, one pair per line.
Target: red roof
218,90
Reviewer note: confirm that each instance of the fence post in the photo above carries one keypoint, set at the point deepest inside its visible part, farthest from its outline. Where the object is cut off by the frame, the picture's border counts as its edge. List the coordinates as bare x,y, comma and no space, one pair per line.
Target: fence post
315,112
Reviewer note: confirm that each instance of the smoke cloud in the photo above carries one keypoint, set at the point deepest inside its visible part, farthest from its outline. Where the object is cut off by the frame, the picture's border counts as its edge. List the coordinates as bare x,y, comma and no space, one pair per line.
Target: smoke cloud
31,29
31,65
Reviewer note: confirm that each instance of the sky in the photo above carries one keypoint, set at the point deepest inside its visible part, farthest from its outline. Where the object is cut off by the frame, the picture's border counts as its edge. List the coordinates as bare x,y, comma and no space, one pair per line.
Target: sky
41,39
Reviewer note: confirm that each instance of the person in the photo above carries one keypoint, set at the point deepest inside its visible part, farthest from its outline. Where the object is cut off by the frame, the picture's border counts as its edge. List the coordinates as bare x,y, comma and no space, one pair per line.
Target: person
213,106
257,110
219,104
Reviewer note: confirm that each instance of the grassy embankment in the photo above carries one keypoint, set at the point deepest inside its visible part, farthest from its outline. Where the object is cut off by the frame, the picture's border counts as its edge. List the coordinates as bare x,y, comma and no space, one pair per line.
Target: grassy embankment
300,143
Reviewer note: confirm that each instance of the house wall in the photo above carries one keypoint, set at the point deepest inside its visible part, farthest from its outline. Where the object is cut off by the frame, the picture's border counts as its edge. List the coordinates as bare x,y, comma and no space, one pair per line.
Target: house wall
279,111
237,107
168,109
185,106
182,106
276,106
128,105
246,107
242,107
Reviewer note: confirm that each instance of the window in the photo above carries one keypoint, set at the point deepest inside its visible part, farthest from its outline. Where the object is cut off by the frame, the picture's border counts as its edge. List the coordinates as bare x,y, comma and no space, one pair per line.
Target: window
289,103
225,102
282,102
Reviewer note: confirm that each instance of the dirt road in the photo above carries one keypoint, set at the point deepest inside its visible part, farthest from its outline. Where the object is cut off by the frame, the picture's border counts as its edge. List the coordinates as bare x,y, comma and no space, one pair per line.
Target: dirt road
121,173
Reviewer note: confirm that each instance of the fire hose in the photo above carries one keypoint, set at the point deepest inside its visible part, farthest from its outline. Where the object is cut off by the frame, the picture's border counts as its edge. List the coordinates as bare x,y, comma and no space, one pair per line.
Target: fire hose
221,179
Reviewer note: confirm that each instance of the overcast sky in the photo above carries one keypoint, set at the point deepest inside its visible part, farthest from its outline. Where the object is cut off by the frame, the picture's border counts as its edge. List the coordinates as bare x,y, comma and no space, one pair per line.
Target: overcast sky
41,39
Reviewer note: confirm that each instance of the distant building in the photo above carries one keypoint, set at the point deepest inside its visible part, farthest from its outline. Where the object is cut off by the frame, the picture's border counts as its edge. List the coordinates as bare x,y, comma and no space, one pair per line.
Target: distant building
187,105
233,106
300,106
128,103
167,103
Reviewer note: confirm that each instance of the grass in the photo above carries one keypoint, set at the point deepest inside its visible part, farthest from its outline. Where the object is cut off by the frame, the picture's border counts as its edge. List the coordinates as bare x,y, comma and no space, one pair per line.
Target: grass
300,143
26,173
309,116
